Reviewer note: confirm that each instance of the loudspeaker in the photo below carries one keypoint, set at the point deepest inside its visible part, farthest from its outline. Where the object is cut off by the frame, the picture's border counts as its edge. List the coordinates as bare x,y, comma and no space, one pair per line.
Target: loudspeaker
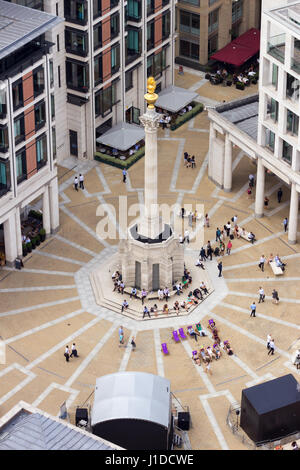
184,420
81,413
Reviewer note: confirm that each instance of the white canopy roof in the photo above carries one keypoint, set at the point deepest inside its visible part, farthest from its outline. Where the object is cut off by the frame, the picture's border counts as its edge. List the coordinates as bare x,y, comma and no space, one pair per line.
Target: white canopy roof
132,395
122,136
173,98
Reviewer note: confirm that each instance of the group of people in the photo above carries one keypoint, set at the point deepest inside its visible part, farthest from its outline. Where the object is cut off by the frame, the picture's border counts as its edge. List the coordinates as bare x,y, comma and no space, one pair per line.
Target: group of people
276,259
262,296
71,353
189,160
79,181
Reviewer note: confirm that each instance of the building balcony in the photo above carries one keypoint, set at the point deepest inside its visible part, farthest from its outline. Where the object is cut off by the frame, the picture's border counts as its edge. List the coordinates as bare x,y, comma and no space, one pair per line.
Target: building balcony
276,47
29,55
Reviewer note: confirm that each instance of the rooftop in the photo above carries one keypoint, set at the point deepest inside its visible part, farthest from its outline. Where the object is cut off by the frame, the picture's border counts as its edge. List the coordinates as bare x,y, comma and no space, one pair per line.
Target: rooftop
243,113
289,14
20,25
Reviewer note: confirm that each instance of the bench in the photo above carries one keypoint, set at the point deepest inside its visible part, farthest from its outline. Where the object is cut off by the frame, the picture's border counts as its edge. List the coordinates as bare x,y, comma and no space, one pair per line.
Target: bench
245,237
276,269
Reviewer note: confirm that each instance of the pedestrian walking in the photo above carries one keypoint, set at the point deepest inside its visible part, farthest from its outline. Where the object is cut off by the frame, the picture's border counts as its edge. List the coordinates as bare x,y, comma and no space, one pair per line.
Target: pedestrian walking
187,236
124,175
121,335
206,221
271,347
279,195
67,353
269,338
133,343
76,183
143,295
227,227
74,351
234,220
220,268
297,359
275,298
202,254
182,212
81,181
285,224
253,310
251,180
266,201
262,261
229,246
218,234
185,158
261,295
193,161
209,250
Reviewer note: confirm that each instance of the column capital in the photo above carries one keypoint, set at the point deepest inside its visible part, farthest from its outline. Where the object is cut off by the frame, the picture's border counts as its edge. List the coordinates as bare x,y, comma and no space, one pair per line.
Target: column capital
150,121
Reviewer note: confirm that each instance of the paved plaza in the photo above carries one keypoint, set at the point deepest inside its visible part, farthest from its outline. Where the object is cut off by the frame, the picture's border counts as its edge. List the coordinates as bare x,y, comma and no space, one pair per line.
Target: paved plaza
50,303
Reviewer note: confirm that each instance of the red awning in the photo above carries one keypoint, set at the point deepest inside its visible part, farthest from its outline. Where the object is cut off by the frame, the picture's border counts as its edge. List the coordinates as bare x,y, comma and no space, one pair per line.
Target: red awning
240,50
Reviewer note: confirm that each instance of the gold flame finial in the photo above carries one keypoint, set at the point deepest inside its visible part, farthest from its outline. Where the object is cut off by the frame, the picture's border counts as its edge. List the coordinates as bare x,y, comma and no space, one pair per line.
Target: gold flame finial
151,97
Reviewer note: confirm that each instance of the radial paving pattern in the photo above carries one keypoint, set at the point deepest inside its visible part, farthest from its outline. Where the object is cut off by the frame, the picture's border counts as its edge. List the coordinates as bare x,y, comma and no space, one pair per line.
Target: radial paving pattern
49,303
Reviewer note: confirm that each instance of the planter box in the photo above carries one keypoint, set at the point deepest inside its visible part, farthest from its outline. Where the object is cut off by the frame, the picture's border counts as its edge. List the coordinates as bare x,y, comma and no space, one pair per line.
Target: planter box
197,108
116,162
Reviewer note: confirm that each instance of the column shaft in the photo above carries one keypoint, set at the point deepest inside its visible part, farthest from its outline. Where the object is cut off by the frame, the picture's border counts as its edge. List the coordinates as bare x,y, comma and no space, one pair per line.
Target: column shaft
293,217
54,208
18,233
10,240
212,137
260,189
46,211
228,165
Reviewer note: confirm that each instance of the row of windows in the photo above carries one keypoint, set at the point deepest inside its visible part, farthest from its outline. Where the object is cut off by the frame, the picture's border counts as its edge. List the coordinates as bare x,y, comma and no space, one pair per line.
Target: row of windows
21,164
287,149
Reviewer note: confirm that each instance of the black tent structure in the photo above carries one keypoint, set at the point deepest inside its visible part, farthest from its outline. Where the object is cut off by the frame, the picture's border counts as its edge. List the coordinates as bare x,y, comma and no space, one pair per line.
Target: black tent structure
133,409
271,410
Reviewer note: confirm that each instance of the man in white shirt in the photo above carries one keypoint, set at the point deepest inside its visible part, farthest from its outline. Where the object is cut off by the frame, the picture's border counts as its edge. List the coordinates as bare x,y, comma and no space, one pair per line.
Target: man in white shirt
187,236
76,183
81,180
74,351
271,347
124,305
67,353
261,295
269,338
160,294
262,262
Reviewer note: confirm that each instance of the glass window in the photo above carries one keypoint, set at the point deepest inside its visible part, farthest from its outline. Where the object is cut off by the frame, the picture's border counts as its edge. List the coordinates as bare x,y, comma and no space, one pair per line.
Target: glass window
52,106
115,58
3,139
237,10
275,75
51,73
150,7
213,20
19,129
287,152
40,115
38,81
97,8
292,124
3,108
105,99
75,11
73,143
270,139
189,22
97,36
133,44
272,109
150,35
41,151
189,49
150,66
213,45
17,91
292,87
76,42
166,25
98,71
21,166
128,80
4,178
134,10
77,74
114,25
53,142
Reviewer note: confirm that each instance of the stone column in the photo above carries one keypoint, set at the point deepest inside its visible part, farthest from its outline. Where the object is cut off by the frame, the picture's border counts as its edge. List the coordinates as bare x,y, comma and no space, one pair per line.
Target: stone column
293,217
54,207
46,212
212,138
228,165
149,226
260,189
10,240
18,233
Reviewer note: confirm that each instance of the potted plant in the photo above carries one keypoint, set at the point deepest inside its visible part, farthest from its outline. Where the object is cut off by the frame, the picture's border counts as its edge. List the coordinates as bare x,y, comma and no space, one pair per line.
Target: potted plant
29,247
229,82
33,243
240,86
207,76
42,234
24,247
37,240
